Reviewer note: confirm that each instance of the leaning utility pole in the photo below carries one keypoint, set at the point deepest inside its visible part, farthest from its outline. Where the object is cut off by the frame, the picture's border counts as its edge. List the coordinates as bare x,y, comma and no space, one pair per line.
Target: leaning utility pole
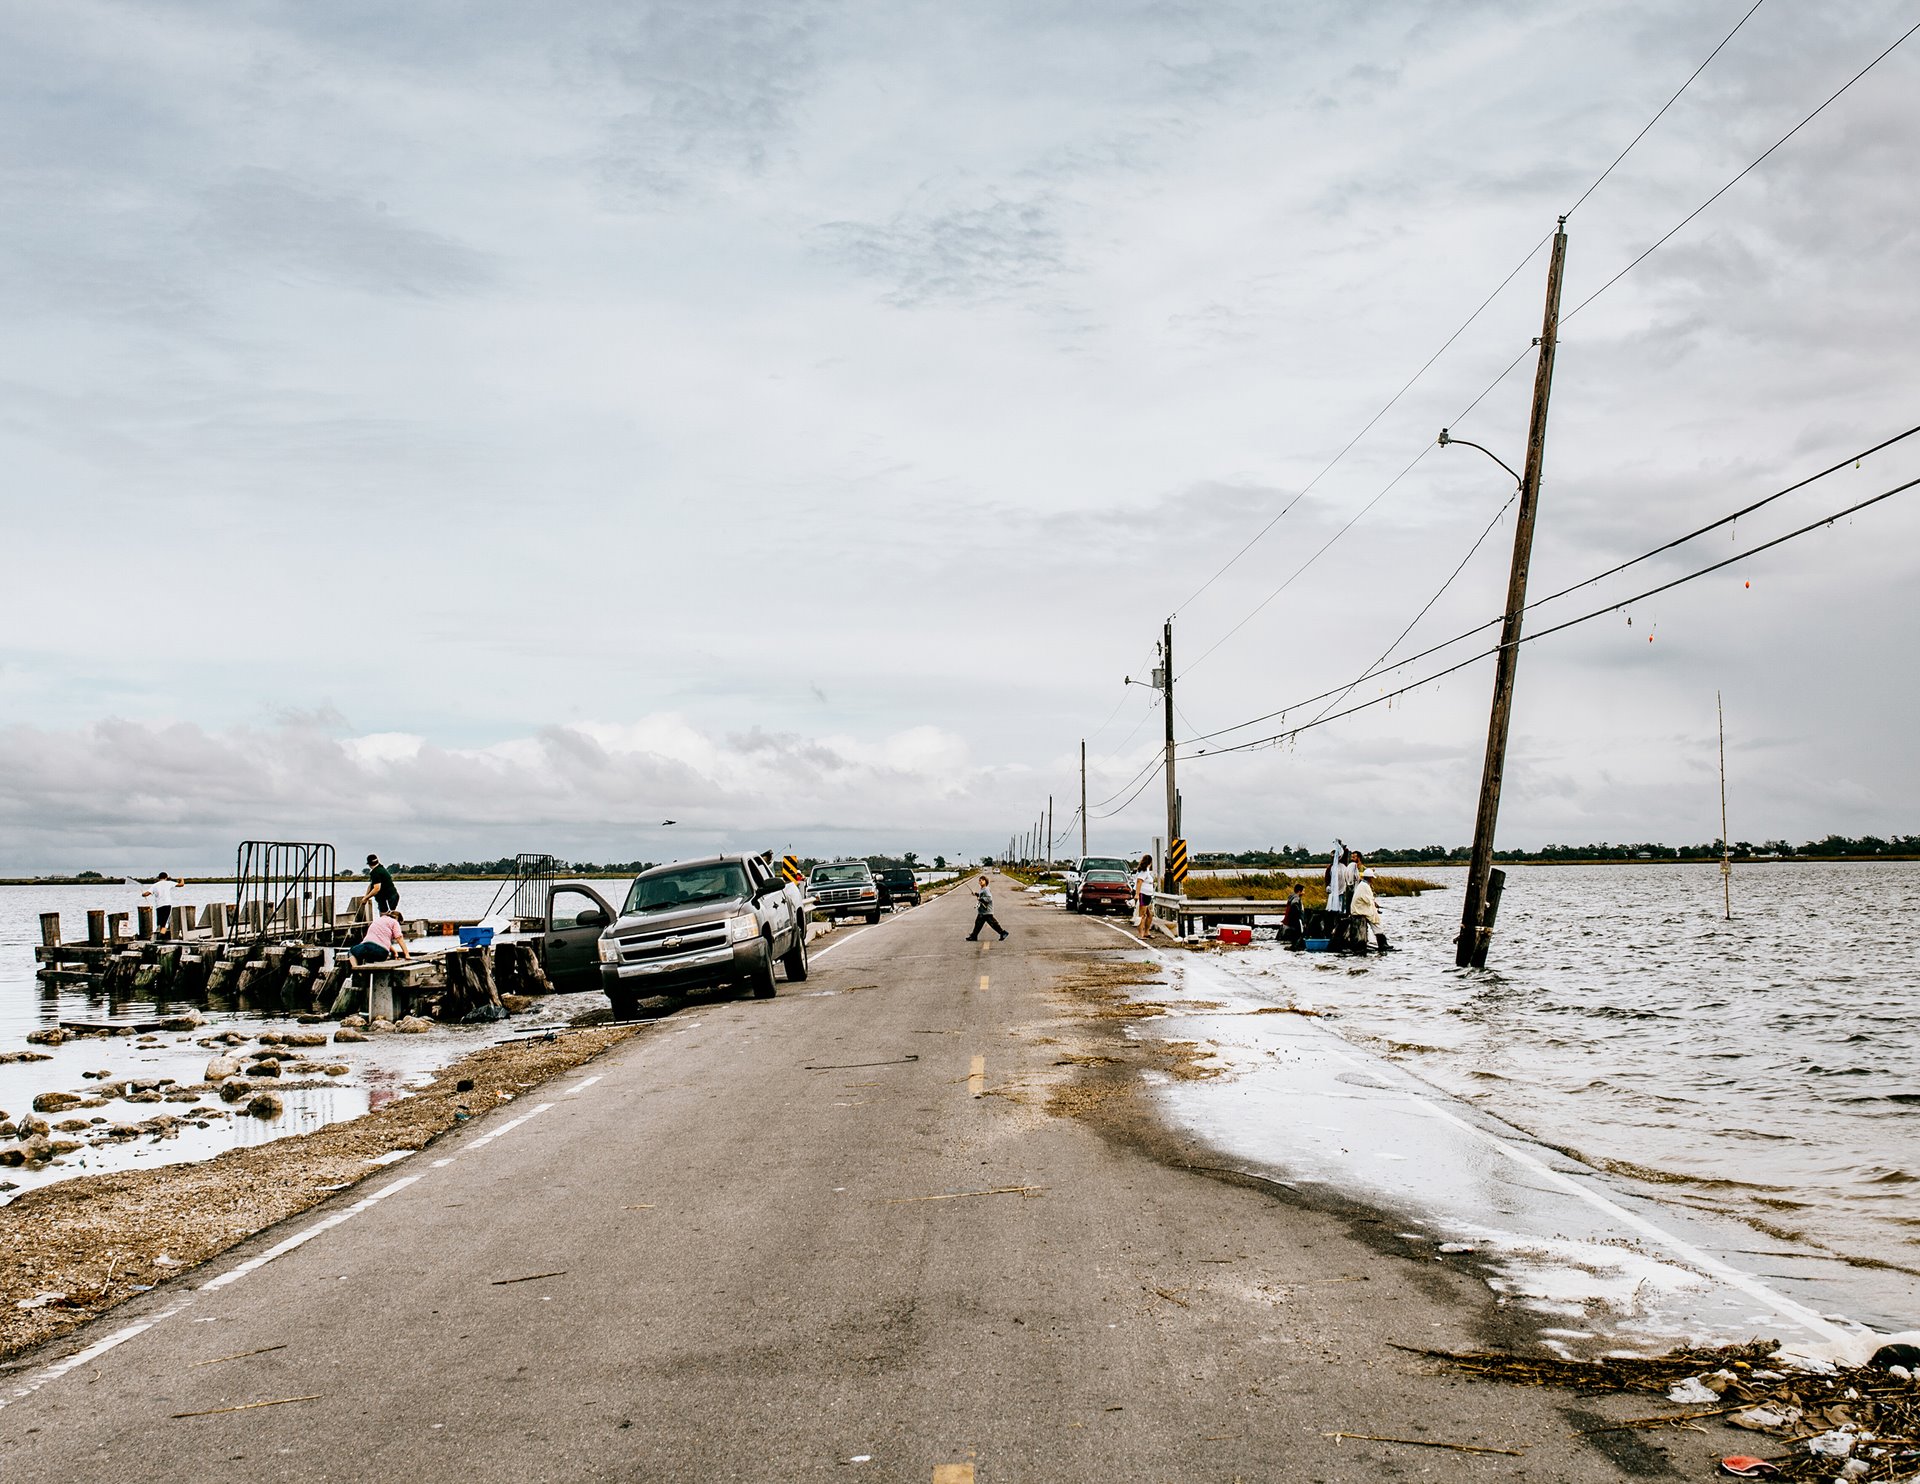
1166,697
1083,796
1483,884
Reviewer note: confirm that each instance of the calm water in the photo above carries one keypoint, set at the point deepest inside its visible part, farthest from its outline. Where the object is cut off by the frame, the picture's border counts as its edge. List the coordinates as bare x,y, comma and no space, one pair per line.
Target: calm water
1767,1066
378,1070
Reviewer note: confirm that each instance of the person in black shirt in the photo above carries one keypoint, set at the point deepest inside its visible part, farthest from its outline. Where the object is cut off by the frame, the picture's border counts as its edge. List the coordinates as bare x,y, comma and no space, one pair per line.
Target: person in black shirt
380,885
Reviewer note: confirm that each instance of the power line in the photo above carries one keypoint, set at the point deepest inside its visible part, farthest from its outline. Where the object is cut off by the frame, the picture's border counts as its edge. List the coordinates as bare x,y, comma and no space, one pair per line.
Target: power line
1749,169
1820,524
1713,525
1439,592
1328,468
1465,324
1665,106
1160,763
1458,418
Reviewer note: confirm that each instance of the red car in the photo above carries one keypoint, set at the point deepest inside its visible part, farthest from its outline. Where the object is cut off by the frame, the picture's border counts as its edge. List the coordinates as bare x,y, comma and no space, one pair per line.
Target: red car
1106,891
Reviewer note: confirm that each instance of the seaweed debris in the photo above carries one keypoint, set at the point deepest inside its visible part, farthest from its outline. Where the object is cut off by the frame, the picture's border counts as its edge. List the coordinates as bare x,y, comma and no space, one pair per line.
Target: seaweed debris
1842,1422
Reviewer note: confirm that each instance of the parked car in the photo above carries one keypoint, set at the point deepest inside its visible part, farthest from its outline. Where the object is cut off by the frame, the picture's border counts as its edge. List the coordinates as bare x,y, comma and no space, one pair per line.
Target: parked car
1105,891
844,889
1078,874
897,887
693,925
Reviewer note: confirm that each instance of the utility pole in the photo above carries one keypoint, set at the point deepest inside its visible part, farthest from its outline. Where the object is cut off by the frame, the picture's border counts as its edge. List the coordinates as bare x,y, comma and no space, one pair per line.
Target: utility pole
1083,796
1483,883
1726,864
1049,832
1166,698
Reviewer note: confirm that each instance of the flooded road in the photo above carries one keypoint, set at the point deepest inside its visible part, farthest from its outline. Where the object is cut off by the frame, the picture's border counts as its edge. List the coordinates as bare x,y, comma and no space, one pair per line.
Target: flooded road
1765,1067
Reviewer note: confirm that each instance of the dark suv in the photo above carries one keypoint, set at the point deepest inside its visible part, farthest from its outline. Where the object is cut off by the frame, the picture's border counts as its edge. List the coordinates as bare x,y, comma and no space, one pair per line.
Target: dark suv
724,920
844,889
897,887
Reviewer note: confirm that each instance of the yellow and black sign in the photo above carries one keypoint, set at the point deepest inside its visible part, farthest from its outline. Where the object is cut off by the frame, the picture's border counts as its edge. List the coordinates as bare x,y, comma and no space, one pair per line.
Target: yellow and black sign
790,868
1176,865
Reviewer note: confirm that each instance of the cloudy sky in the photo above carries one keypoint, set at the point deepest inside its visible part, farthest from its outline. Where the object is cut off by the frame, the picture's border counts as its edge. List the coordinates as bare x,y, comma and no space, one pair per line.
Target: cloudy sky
464,428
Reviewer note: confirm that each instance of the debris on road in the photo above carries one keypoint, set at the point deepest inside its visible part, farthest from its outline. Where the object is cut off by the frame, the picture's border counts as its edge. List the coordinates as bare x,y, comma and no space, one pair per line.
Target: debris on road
1367,1437
278,1401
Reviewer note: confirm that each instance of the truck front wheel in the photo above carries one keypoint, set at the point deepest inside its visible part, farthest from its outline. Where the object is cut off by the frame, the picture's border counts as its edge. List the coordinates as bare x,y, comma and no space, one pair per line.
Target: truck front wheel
760,976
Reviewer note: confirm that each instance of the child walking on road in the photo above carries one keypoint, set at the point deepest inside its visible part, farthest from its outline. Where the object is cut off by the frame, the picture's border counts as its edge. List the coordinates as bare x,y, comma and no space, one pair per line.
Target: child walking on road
983,914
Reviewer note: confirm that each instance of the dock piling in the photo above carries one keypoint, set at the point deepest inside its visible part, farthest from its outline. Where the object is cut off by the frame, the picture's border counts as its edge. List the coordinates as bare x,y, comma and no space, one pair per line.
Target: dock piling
49,929
97,927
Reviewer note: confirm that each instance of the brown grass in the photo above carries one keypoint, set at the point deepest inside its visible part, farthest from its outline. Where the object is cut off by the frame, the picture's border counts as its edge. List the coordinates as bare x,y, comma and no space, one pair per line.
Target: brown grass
96,1237
1264,886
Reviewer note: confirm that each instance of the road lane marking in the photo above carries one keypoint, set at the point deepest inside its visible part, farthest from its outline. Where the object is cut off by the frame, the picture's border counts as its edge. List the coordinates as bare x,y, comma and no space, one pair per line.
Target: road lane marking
579,1087
87,1356
506,1128
301,1238
977,1077
953,1473
983,981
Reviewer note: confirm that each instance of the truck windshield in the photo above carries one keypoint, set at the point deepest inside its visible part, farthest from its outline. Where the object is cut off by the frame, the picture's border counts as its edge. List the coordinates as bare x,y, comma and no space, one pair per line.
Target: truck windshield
842,873
1105,863
684,887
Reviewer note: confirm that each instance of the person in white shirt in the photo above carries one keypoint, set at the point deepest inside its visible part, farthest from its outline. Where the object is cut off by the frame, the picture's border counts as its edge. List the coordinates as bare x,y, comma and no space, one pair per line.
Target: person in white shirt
160,893
1143,895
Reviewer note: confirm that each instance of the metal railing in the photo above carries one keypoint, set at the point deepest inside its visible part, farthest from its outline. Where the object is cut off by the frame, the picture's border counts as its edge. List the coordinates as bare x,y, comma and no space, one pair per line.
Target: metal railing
282,888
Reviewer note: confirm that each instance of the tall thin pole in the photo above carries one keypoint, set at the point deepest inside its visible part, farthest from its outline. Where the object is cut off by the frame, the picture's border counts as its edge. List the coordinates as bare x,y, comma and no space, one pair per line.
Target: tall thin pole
1476,926
1049,832
1166,691
1083,796
1726,863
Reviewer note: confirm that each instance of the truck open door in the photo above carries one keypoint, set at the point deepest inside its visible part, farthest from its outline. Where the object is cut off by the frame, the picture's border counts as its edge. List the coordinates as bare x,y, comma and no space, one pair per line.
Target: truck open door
570,946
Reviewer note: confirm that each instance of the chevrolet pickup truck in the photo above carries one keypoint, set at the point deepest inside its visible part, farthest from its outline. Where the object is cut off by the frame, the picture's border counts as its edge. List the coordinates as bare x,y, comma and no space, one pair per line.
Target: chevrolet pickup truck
695,925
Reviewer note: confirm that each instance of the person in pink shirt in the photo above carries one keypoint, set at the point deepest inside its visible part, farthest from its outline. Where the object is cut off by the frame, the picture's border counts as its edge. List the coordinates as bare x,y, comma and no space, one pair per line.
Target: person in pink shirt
382,942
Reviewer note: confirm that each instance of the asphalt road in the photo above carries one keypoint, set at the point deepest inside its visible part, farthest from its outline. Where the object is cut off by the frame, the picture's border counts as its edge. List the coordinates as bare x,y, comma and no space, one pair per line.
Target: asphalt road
835,1235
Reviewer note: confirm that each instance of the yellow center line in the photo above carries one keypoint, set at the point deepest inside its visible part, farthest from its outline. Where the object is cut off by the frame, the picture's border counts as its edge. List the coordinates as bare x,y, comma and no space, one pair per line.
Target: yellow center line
983,981
953,1473
977,1077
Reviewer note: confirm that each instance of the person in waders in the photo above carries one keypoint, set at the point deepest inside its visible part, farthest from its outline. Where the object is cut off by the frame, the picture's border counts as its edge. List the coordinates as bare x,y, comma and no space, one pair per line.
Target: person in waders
983,913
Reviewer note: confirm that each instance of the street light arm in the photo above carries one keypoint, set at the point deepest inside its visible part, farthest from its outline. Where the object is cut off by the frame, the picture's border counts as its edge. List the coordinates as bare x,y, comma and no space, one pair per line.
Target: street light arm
1447,438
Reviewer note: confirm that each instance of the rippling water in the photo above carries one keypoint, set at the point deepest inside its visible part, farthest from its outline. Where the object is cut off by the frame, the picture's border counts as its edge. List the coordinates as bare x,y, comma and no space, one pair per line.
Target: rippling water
1767,1067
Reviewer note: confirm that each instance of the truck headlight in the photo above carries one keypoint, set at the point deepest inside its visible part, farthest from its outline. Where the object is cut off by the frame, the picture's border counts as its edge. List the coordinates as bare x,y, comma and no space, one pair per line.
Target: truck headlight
609,950
870,892
743,928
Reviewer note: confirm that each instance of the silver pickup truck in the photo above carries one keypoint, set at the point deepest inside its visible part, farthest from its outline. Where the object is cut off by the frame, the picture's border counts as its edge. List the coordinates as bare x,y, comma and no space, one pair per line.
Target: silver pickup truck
693,925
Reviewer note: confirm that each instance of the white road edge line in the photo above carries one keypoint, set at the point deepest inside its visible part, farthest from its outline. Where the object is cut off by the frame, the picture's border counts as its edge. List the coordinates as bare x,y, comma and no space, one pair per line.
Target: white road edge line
253,1264
300,1238
579,1087
506,1128
1733,1277
92,1353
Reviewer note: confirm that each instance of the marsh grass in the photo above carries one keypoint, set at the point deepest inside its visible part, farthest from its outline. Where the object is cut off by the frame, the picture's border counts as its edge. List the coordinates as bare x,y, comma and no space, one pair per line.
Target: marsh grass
1261,886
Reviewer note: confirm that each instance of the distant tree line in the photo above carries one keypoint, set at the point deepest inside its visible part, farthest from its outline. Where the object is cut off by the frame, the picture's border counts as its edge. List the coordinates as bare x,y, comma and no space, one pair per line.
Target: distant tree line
1831,848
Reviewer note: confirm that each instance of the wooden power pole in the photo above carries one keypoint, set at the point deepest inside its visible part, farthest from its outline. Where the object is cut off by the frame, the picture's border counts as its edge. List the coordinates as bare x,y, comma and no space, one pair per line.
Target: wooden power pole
1483,886
1049,832
1166,695
1083,796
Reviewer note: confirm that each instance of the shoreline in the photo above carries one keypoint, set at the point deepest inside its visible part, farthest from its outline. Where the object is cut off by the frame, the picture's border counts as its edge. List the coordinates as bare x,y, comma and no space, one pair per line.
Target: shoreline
99,1240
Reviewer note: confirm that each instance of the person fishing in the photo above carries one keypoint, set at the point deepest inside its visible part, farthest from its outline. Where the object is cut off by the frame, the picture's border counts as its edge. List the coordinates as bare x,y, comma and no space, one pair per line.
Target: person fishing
1293,916
983,913
162,893
1366,909
1337,882
381,891
384,940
